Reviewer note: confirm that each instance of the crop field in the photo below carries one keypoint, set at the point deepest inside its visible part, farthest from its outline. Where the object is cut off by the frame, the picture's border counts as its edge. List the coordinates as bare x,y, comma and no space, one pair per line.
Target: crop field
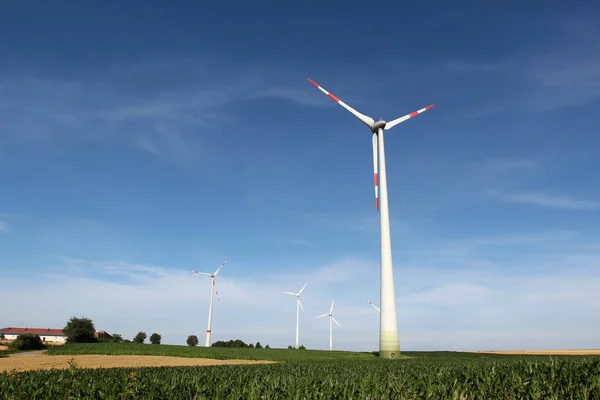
304,374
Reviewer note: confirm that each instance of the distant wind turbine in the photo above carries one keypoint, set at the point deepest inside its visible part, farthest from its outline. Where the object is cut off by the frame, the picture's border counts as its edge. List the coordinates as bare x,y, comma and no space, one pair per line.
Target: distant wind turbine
374,306
298,307
331,321
212,290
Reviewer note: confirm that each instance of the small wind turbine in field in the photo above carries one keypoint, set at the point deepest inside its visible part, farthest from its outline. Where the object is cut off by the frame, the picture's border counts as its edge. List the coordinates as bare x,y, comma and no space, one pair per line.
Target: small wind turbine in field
212,291
389,344
331,321
298,307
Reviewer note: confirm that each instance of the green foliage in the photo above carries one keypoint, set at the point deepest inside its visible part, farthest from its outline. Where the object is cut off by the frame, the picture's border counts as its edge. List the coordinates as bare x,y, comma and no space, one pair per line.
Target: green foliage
126,341
232,343
155,338
117,338
421,377
140,337
258,345
2,336
28,342
192,340
80,330
267,347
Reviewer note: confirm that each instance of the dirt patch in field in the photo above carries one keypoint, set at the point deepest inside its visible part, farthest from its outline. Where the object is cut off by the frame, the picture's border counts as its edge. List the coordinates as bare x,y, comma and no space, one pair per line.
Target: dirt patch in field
547,352
45,361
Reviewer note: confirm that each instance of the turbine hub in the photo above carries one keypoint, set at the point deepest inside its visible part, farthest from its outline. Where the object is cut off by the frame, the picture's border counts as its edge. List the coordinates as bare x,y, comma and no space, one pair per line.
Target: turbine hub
377,125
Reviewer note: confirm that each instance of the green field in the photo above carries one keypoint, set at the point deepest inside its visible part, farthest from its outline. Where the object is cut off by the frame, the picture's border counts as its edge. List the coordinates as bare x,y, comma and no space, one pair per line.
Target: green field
305,374
218,353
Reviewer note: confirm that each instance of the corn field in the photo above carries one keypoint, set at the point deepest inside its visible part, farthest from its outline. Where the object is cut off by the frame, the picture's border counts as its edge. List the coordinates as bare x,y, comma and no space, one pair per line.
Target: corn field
417,378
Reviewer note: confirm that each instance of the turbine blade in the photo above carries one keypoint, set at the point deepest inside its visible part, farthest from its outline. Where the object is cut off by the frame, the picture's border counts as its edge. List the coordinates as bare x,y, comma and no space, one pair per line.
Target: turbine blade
290,293
375,171
391,124
331,309
374,306
221,266
335,321
299,302
303,288
321,316
364,118
204,273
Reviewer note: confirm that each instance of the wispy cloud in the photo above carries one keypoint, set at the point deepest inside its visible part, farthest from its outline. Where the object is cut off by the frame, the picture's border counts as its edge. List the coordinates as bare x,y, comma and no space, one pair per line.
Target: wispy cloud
5,226
545,200
438,307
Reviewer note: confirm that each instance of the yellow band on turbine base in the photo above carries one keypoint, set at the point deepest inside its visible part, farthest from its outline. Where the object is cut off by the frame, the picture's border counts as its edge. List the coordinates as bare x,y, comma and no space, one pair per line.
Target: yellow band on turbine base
389,344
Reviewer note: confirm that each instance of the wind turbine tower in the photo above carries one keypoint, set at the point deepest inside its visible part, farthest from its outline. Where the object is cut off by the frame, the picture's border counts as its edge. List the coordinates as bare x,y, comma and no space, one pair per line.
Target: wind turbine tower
298,307
210,306
331,321
389,345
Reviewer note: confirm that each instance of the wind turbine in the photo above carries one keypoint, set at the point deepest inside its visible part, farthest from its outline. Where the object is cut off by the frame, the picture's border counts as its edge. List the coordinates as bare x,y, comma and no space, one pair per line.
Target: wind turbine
212,290
389,345
298,307
331,320
374,306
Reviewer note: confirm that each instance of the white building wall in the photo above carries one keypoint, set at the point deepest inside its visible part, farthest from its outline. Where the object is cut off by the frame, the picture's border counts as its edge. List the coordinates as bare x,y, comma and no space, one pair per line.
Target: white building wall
45,338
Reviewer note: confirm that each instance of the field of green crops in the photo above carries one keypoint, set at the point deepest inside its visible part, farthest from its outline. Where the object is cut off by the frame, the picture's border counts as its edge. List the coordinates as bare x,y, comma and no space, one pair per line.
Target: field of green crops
218,353
315,375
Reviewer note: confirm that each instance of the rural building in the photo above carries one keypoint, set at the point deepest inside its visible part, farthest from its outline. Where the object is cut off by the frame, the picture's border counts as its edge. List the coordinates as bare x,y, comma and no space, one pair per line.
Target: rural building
46,334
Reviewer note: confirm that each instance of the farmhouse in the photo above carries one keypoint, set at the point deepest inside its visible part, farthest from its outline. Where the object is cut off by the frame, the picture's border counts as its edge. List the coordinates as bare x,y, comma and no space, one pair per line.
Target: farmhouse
46,334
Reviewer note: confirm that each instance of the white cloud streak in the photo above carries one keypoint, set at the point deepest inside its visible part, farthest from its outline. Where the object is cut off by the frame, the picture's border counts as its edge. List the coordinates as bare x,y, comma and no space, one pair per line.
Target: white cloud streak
546,200
473,306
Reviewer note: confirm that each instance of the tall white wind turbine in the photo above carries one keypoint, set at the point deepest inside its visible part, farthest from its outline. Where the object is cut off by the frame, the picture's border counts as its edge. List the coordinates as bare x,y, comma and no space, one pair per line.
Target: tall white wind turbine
331,321
389,345
298,307
212,290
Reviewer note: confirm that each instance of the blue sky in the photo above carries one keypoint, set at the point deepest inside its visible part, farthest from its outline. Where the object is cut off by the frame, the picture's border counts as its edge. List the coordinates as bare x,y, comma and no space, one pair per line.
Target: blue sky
140,140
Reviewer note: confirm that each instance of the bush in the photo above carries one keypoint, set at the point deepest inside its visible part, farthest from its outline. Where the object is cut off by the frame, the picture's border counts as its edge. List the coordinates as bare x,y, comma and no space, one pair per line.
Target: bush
28,342
117,338
126,341
80,330
258,345
155,338
140,337
267,347
2,336
192,340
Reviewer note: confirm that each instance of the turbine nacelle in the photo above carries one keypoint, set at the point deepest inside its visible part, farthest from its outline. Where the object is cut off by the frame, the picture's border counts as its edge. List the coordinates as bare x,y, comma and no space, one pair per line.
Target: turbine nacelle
377,125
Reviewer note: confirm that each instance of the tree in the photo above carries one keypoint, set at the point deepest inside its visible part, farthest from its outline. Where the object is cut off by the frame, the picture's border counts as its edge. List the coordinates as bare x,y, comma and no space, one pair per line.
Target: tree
192,340
258,345
301,347
126,341
117,338
80,330
140,337
267,347
28,342
2,336
155,338
251,346
290,347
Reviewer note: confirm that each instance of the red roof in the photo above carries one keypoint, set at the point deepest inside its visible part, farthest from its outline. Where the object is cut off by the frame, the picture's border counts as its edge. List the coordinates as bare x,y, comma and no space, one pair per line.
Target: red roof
33,331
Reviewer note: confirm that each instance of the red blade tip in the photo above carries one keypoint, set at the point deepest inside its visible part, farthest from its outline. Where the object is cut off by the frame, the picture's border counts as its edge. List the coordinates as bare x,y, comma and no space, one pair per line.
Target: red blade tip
313,82
429,107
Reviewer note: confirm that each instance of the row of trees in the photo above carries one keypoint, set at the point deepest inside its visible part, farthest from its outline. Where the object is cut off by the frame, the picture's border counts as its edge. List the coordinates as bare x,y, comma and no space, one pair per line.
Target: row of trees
82,330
